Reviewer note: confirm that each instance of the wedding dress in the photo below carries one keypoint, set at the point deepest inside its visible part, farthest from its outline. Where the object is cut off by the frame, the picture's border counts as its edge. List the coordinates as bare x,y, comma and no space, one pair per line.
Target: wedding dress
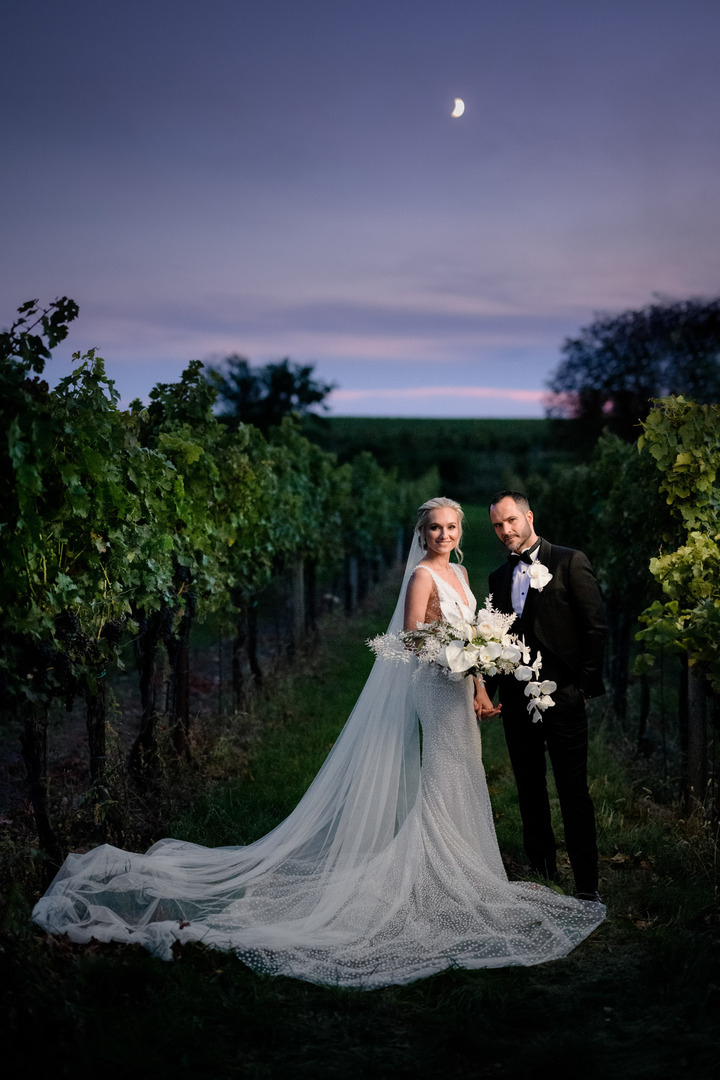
387,871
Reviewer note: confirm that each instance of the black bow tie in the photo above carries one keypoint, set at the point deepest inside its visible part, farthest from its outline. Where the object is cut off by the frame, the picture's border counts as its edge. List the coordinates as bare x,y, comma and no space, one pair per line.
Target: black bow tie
514,558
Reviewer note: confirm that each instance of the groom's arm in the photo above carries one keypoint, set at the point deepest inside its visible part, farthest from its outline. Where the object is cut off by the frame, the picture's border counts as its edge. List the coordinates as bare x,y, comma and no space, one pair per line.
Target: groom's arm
590,623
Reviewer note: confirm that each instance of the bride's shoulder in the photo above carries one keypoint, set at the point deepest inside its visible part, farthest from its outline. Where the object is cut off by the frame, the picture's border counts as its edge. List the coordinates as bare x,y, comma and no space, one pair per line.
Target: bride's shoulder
422,581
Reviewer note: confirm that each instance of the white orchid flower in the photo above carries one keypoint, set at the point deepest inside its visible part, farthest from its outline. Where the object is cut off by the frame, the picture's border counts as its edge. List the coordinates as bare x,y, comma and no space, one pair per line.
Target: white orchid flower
540,699
523,673
537,707
539,576
547,686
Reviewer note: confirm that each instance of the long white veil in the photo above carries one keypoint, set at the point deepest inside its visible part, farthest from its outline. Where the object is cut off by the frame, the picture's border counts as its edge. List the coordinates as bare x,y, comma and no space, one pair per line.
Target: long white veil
287,889
377,877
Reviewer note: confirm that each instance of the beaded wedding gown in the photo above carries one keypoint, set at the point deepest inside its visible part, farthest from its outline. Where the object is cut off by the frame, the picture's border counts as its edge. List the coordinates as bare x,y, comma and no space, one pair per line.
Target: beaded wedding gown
387,871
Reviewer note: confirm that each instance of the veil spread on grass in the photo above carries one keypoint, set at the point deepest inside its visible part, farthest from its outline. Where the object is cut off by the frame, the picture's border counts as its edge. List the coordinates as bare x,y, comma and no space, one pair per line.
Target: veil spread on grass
288,887
381,875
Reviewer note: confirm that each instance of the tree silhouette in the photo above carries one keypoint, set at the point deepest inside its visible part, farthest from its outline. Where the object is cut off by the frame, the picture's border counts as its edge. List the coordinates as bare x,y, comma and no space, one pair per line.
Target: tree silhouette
262,396
610,373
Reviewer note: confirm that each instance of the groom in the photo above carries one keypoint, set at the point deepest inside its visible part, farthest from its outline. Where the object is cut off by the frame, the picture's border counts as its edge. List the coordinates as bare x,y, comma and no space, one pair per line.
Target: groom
561,616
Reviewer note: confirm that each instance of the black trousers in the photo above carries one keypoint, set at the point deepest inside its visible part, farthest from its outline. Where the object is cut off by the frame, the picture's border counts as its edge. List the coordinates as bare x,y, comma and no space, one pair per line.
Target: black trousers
562,735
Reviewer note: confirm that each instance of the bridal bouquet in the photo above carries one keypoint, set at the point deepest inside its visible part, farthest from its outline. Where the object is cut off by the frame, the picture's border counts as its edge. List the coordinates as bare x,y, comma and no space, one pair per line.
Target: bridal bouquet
482,646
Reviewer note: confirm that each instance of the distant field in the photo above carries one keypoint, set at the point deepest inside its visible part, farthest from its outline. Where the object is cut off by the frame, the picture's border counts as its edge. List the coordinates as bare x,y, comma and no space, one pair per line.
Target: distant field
475,457
481,433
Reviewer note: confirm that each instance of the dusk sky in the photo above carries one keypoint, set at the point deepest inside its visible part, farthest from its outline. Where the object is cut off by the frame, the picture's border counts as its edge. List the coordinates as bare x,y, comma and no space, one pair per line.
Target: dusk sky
283,178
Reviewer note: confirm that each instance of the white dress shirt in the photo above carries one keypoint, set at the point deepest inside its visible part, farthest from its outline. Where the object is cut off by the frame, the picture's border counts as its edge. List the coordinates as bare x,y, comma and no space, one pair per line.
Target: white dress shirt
521,582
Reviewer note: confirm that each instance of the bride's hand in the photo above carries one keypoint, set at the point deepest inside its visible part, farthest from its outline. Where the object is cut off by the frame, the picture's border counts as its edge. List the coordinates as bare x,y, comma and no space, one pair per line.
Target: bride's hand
484,708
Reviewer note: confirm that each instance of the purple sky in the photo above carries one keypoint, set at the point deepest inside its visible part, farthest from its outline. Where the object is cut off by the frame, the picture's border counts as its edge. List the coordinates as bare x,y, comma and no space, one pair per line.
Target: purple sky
283,178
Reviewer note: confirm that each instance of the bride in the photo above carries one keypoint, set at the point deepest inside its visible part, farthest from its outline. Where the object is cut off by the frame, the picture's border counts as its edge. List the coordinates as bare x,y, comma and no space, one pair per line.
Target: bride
387,871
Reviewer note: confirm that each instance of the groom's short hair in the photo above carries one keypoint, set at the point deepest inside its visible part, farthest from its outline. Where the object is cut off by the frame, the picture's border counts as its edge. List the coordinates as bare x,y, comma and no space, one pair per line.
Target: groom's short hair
519,498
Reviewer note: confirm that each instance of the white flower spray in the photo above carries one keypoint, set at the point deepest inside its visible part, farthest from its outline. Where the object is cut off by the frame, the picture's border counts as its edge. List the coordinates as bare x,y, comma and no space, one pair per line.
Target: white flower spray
482,647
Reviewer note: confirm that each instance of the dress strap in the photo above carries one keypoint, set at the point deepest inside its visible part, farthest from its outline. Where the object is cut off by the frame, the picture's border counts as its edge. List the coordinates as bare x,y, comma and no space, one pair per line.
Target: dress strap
469,598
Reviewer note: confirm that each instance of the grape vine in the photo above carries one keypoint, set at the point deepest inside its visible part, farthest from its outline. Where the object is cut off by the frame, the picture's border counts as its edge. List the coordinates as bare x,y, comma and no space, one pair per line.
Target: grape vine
120,529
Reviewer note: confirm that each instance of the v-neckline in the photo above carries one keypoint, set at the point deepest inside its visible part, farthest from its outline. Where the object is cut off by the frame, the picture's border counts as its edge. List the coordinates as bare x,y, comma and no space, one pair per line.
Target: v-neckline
462,595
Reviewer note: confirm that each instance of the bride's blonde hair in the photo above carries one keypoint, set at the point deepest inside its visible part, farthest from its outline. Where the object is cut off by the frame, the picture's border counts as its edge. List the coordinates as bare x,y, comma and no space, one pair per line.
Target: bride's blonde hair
423,519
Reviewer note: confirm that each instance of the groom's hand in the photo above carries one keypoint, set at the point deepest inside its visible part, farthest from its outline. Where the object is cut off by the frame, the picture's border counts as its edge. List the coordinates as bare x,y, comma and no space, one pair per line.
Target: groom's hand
484,708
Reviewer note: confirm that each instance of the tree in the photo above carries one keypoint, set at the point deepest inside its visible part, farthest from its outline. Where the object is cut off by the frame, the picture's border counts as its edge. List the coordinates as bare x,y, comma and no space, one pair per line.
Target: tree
610,373
263,396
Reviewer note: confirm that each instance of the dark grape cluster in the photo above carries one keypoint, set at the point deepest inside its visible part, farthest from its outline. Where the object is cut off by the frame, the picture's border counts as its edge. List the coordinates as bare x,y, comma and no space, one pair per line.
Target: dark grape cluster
190,603
113,631
167,621
45,654
67,625
79,647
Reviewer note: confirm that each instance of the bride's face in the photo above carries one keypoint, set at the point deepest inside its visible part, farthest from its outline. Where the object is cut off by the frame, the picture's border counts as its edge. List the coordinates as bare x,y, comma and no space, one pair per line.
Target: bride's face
442,533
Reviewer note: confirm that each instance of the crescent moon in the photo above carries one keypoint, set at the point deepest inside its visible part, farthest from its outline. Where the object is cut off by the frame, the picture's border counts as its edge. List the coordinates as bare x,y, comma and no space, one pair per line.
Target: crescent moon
459,107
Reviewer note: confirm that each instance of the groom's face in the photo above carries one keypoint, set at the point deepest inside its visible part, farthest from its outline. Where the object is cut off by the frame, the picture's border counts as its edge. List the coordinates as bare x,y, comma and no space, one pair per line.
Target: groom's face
512,525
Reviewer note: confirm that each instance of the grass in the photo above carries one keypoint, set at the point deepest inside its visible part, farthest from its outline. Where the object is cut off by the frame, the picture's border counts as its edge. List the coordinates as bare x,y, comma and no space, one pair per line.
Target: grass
637,1000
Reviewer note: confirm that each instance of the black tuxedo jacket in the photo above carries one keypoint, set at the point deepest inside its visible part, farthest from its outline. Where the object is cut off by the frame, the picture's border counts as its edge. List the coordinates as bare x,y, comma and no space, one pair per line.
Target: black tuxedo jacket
565,620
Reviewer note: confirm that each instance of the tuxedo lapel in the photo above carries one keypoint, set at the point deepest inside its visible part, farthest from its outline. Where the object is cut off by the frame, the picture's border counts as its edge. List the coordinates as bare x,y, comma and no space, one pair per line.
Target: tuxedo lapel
545,553
528,612
533,600
504,601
